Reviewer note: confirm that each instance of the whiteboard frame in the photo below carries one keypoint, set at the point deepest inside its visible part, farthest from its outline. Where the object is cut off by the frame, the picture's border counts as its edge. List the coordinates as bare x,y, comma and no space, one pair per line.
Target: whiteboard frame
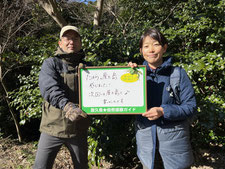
114,110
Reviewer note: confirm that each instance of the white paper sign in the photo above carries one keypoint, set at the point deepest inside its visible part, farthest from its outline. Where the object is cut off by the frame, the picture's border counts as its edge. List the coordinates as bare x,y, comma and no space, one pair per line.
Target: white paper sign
108,88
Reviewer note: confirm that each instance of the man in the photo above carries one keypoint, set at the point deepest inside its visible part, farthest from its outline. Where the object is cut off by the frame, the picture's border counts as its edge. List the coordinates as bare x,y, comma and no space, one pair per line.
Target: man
63,122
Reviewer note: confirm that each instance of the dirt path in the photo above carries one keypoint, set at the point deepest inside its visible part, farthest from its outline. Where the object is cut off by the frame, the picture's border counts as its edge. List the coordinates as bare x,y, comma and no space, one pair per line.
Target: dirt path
21,156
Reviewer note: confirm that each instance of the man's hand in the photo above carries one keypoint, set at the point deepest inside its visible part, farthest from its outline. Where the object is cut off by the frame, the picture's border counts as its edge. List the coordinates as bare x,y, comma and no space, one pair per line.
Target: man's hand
154,113
73,112
81,66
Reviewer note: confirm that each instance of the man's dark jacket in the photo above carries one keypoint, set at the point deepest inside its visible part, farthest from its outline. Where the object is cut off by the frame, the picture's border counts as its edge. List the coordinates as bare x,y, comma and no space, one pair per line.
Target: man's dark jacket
58,82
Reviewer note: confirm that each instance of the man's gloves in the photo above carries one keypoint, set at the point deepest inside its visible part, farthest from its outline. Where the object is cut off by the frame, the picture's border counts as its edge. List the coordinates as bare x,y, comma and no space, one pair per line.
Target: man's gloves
73,112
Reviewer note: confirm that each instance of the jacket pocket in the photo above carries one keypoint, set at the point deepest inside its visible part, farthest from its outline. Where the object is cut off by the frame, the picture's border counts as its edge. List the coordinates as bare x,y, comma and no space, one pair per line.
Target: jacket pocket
175,127
174,132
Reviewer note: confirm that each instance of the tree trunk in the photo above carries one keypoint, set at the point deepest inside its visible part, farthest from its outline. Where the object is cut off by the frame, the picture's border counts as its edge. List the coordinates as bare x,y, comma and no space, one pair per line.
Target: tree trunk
50,7
10,109
98,13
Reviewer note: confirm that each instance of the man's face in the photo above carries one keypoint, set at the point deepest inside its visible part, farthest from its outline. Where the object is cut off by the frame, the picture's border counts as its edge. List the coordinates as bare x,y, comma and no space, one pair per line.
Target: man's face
70,42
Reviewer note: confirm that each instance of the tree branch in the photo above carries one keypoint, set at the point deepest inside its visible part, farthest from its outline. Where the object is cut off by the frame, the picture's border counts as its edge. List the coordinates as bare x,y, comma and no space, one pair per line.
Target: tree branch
171,12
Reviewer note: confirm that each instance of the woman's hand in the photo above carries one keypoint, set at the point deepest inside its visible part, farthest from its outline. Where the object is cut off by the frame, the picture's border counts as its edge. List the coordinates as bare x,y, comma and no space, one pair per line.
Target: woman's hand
154,113
132,65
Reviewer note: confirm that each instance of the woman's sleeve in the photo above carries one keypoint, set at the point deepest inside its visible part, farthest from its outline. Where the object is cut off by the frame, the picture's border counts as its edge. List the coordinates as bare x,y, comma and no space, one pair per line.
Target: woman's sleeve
50,84
187,108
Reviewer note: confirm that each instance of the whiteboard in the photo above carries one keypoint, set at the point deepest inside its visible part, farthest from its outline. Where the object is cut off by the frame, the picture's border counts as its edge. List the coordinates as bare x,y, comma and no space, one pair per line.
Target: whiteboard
112,90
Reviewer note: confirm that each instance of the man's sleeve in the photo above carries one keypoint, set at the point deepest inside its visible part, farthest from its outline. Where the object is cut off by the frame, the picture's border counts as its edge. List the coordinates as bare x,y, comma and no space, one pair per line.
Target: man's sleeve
50,84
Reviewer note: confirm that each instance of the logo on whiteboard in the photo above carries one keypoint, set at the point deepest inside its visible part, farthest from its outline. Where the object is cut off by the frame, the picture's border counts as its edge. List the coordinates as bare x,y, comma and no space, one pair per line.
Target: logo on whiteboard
129,78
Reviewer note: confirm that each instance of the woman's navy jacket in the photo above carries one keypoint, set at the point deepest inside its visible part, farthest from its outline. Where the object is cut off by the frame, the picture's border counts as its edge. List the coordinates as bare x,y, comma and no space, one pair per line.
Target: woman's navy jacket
158,96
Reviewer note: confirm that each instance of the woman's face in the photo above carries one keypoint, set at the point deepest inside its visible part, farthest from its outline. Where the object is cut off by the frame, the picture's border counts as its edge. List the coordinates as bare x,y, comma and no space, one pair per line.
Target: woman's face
152,52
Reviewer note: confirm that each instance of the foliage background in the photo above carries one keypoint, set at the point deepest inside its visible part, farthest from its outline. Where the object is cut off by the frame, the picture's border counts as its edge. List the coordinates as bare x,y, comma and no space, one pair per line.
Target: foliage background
194,28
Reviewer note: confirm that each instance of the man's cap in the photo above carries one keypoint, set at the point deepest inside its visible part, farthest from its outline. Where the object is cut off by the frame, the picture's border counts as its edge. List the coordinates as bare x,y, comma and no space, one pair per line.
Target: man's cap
68,27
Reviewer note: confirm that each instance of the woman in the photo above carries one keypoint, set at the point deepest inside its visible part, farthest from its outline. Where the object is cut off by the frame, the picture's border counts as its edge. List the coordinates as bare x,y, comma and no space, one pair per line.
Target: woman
164,128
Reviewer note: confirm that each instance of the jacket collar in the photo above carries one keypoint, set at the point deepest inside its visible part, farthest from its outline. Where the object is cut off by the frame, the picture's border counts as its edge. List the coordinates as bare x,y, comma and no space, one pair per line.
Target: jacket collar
70,58
167,63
